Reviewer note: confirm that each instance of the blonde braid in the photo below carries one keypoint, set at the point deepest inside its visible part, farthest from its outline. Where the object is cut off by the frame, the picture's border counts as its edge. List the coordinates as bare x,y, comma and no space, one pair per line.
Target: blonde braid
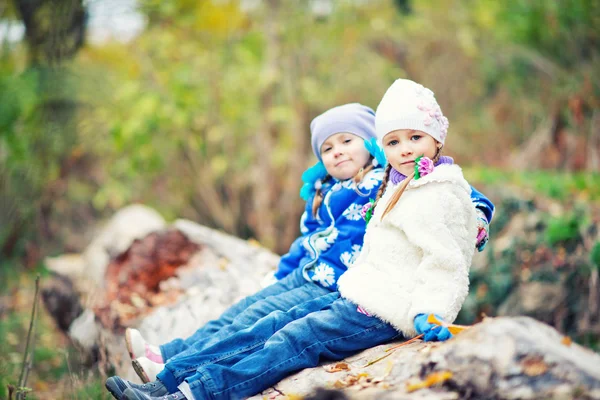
386,177
364,171
318,199
361,175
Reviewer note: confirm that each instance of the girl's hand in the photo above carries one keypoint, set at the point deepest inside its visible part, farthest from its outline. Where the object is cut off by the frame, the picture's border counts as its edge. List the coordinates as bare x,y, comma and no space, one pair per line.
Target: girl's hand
483,228
432,332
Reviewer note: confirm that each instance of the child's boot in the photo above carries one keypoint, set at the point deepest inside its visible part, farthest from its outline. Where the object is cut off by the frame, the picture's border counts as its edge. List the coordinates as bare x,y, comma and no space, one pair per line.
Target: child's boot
146,369
138,347
117,386
134,394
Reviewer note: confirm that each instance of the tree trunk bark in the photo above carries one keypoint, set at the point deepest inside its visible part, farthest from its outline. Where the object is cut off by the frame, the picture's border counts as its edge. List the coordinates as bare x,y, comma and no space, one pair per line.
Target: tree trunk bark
264,193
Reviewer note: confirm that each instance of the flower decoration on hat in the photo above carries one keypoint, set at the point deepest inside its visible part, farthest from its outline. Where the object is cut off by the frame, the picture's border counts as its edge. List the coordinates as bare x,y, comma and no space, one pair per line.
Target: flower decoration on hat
423,166
433,112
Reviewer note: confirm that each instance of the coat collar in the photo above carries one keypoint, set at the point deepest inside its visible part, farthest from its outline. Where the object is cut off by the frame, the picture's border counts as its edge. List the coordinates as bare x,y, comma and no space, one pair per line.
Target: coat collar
450,173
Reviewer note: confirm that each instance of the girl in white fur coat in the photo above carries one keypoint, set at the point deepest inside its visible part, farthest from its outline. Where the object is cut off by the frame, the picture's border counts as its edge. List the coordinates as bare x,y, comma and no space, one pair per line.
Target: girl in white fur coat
421,238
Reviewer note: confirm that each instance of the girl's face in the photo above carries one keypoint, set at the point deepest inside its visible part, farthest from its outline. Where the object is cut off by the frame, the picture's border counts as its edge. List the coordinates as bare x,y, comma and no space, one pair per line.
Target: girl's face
403,146
343,155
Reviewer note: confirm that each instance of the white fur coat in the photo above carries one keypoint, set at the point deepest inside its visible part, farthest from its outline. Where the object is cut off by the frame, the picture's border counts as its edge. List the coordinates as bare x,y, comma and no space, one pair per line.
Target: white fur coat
417,259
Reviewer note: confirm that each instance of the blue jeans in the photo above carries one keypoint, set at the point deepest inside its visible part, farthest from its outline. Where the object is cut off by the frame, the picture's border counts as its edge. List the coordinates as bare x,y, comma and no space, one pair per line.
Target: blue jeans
278,344
284,294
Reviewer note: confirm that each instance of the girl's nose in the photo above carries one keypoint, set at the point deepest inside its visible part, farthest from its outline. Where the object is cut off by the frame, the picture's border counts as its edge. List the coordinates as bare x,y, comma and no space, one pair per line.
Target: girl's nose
406,151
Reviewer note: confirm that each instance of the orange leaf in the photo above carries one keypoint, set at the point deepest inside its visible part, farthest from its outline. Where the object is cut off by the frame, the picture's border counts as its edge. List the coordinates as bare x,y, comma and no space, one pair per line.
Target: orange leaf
534,365
341,366
454,329
432,379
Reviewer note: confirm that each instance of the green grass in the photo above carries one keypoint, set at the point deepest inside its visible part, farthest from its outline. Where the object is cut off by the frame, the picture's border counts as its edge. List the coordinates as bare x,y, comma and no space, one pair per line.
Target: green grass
57,371
555,185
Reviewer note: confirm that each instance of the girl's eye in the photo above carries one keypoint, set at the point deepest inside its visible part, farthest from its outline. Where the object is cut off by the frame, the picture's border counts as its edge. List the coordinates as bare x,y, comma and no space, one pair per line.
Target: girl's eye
326,149
347,140
392,142
415,137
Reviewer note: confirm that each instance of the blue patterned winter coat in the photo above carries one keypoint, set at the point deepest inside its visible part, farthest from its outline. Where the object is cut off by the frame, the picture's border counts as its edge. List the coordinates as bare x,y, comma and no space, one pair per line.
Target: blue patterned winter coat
331,240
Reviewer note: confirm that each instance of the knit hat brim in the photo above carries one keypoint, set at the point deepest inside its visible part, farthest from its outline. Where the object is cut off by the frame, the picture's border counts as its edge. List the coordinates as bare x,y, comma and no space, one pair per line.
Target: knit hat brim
385,127
351,118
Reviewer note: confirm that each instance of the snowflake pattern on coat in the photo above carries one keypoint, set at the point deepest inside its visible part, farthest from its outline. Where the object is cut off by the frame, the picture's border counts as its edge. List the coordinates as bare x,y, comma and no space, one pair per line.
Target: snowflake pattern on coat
324,242
371,181
353,212
348,258
324,274
303,228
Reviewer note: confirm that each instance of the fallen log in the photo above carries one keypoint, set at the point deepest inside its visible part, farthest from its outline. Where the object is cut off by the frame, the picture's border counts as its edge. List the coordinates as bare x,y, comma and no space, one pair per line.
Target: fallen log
169,281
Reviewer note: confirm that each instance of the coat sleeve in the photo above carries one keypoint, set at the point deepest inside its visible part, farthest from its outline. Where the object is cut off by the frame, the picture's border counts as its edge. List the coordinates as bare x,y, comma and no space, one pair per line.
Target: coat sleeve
443,227
291,260
482,203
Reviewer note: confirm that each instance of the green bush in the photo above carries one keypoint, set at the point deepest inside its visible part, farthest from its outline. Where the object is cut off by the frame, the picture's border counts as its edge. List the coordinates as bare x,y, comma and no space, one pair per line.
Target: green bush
563,230
595,255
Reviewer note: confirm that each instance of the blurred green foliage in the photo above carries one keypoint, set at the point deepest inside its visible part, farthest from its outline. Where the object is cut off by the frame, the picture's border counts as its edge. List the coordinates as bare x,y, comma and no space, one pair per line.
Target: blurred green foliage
540,262
212,101
595,255
564,230
556,185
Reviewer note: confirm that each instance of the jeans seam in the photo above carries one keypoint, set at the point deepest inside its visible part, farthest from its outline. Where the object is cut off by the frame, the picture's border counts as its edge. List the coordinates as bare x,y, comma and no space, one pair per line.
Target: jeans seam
207,384
222,357
241,384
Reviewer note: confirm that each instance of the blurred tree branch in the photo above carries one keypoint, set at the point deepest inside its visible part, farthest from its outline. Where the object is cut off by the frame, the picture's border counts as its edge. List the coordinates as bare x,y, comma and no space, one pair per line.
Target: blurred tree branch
43,137
55,29
264,193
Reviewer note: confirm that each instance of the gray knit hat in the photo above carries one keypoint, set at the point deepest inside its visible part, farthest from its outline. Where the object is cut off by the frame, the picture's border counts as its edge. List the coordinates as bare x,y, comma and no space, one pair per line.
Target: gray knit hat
350,118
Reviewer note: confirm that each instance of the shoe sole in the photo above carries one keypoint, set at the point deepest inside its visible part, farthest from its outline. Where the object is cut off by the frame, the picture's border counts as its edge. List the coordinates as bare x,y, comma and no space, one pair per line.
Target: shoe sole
128,344
111,391
137,367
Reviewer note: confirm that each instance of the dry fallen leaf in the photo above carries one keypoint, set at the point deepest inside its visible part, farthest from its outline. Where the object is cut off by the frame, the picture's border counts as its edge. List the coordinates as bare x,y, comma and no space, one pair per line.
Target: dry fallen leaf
566,341
350,380
137,301
253,242
534,366
454,329
432,379
337,367
223,263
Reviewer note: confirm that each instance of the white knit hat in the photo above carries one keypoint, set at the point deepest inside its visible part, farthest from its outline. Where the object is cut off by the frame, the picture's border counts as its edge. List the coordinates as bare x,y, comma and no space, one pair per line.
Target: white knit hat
409,105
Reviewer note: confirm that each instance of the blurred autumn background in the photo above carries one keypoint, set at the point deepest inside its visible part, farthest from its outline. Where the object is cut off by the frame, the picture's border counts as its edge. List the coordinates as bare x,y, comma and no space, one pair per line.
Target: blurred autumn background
201,110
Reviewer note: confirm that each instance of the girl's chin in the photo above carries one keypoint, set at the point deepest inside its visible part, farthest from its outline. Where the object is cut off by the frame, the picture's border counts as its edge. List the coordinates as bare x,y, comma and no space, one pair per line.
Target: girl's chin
406,169
342,176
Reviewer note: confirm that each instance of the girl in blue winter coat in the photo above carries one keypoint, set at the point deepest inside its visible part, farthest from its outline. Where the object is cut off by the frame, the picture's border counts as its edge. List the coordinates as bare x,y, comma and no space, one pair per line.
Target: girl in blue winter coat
292,323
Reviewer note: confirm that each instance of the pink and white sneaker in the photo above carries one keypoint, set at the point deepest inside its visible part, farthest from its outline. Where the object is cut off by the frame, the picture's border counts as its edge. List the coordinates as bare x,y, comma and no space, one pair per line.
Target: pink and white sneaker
138,347
147,369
